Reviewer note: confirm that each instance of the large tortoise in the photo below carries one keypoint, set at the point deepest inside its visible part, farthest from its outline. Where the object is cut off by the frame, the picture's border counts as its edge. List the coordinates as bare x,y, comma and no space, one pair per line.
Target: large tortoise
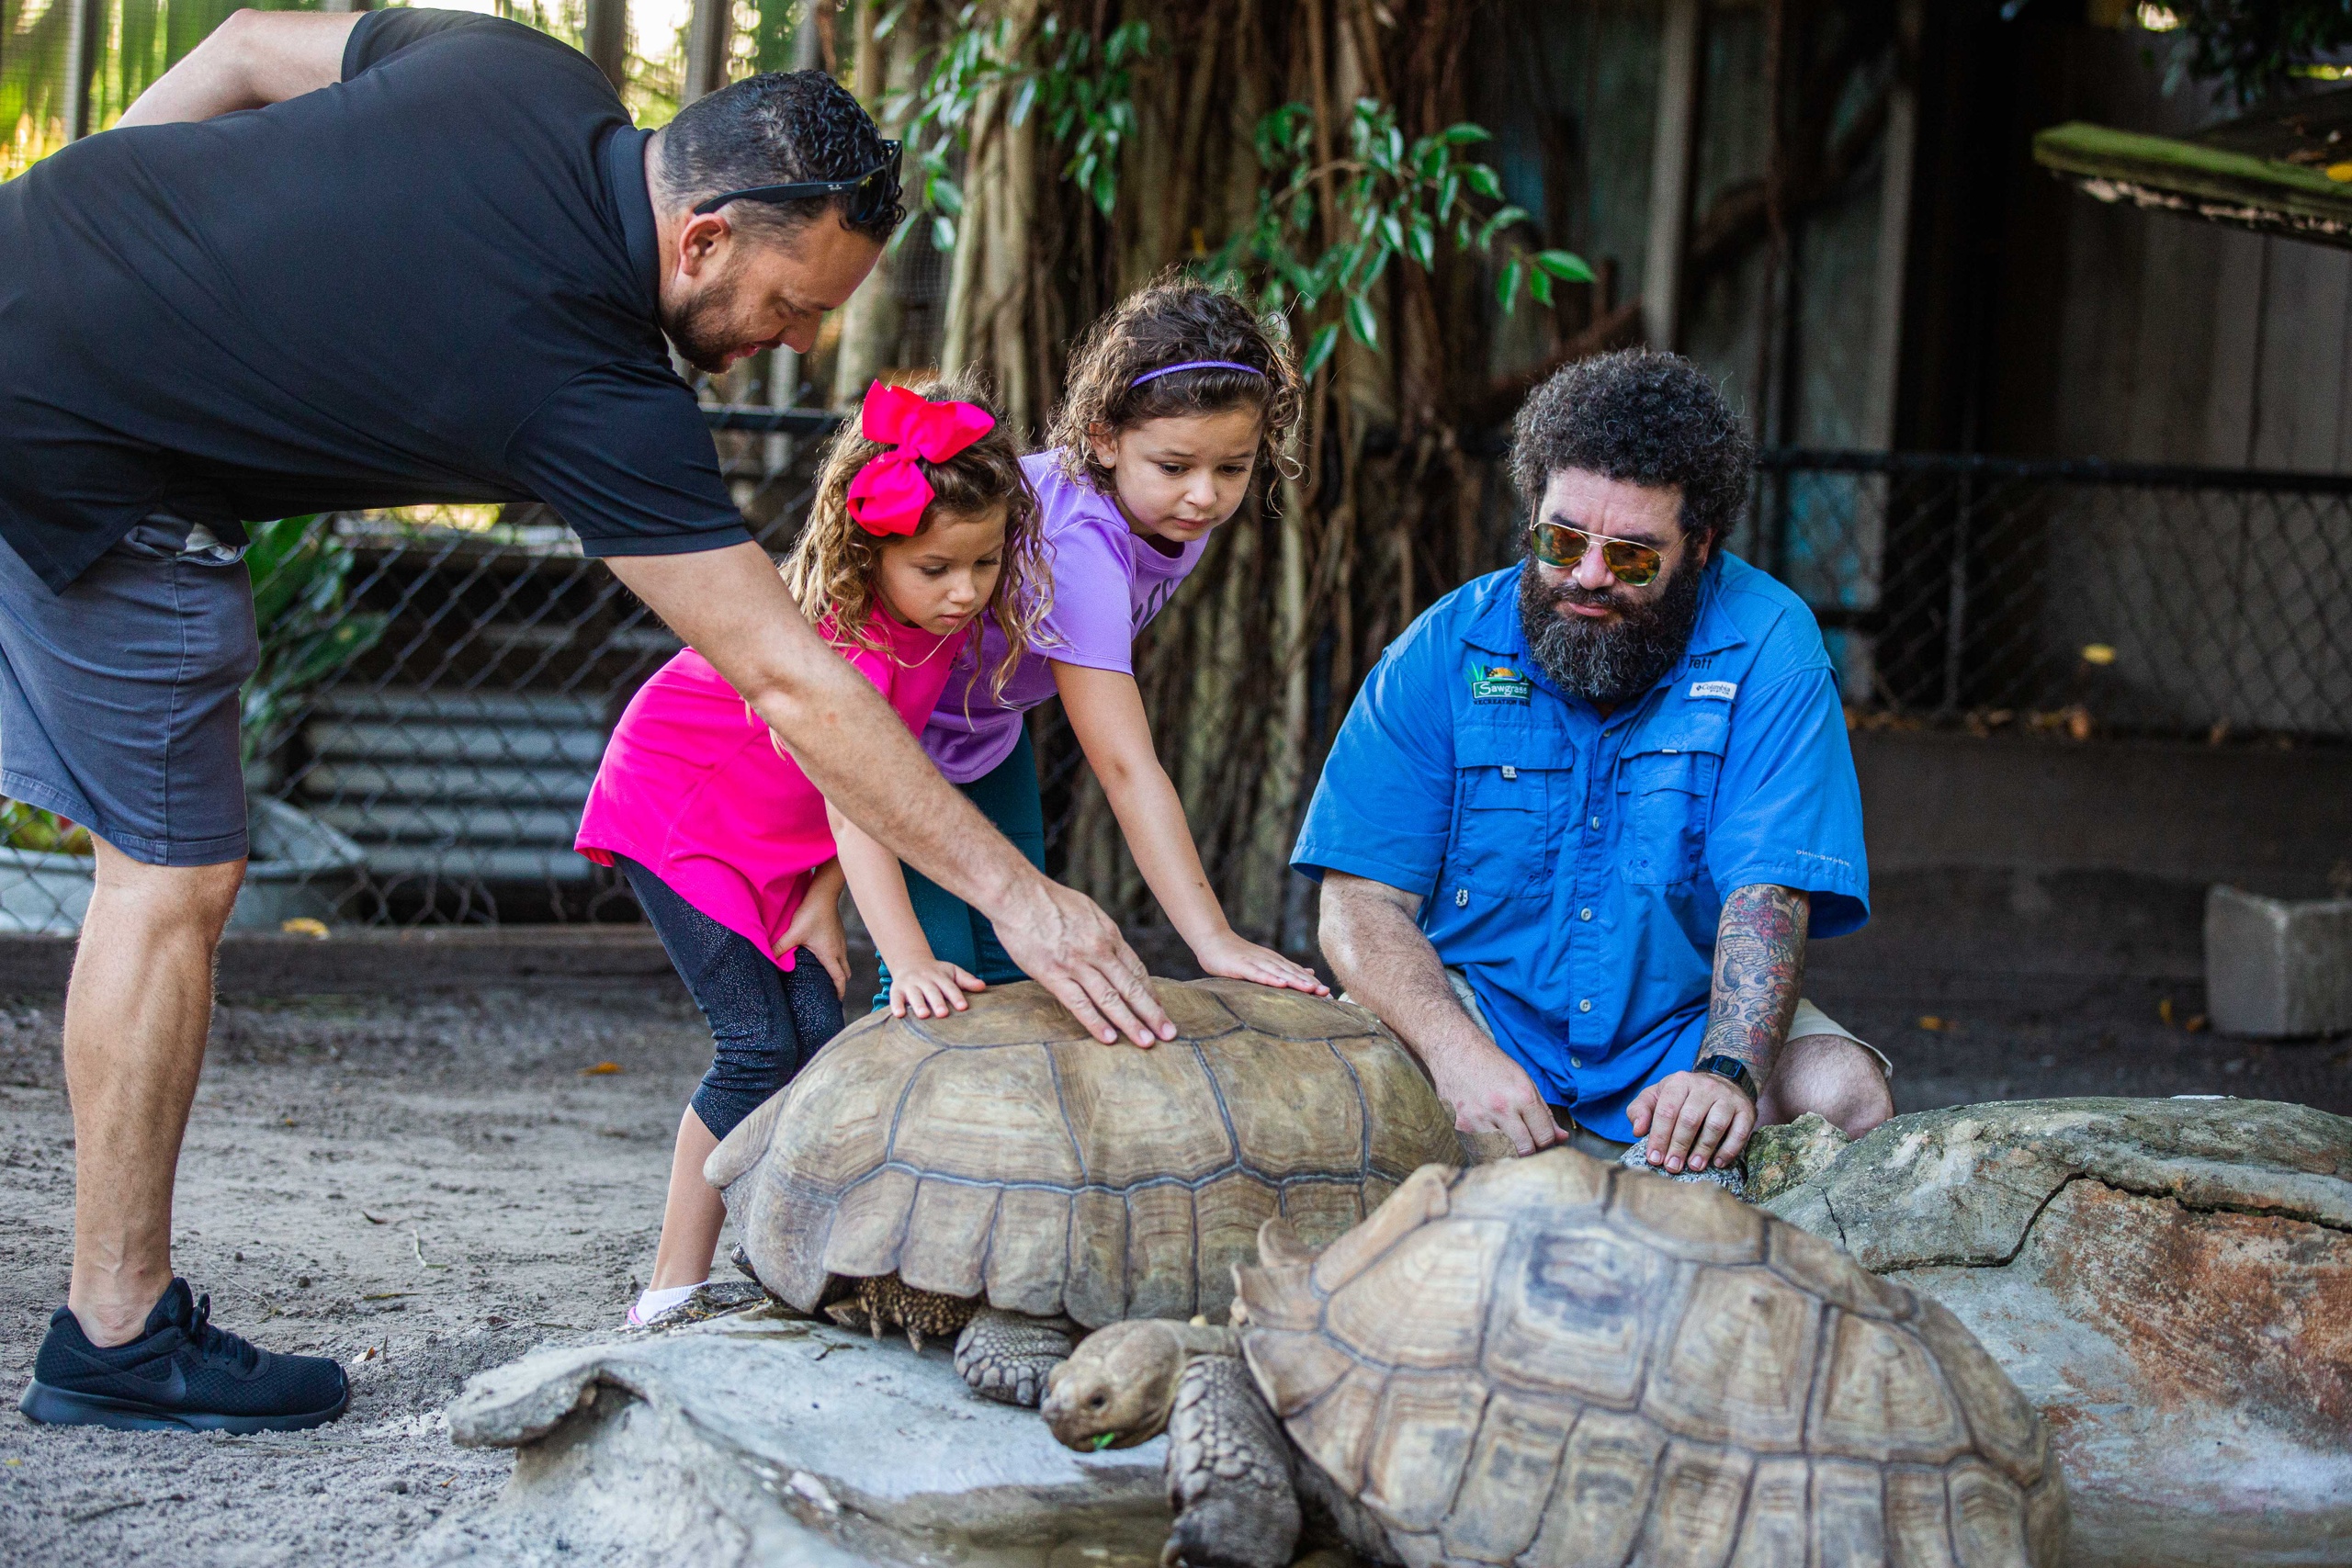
1550,1361
999,1174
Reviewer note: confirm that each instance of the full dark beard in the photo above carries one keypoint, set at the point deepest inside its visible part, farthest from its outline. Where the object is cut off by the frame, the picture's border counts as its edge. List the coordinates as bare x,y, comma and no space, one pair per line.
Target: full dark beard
1614,663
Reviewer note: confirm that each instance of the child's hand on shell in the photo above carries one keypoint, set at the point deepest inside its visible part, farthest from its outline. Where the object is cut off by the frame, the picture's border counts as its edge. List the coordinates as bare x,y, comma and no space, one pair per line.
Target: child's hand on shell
931,989
1236,958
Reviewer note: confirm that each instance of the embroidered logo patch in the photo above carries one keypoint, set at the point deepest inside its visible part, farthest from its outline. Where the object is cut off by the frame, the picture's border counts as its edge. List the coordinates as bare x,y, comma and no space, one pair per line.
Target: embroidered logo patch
1722,690
1491,682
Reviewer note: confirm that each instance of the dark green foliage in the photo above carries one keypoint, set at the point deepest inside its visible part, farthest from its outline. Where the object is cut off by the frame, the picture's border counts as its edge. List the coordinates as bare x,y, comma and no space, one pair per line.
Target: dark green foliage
302,576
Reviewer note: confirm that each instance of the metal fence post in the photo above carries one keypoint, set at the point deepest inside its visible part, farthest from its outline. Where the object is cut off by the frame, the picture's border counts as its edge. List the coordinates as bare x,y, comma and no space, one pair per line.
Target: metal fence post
1956,590
82,48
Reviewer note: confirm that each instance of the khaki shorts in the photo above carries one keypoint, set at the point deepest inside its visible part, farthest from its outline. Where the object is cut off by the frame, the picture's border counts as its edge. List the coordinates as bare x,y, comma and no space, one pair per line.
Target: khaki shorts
1809,1020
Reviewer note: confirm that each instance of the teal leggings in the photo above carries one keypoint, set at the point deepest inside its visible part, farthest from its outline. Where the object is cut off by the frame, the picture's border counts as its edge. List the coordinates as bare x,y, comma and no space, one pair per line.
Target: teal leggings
1007,795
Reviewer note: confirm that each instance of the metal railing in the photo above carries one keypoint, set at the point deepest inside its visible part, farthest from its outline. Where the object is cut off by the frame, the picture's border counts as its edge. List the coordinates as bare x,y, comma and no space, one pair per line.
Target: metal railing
436,689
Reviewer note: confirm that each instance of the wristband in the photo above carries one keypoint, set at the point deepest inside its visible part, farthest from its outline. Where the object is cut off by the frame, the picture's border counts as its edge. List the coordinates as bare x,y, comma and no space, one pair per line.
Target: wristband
1731,1069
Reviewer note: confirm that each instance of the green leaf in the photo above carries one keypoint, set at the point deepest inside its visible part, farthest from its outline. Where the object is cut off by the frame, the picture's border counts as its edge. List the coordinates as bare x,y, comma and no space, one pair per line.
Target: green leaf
1422,243
1363,325
1318,349
1465,134
1503,218
1023,97
946,196
943,234
1539,283
1506,287
1392,232
1484,181
1566,265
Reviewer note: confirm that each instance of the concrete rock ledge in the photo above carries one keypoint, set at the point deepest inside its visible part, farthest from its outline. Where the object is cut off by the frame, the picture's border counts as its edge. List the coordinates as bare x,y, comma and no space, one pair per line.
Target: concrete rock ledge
763,1438
2168,1280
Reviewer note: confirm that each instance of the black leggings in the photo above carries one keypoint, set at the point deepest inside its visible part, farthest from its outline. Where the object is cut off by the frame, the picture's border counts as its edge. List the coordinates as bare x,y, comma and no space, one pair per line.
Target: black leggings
766,1023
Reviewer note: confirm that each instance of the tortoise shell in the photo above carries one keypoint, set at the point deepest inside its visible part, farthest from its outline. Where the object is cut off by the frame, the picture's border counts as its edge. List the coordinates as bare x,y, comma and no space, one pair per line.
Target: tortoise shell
1552,1361
1004,1152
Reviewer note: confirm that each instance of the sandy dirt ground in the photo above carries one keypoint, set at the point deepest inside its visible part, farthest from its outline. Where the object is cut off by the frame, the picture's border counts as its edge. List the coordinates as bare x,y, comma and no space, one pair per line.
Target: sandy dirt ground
426,1188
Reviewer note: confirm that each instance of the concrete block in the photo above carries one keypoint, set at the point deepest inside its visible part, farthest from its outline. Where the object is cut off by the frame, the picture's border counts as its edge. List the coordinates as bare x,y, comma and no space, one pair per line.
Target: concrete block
2276,967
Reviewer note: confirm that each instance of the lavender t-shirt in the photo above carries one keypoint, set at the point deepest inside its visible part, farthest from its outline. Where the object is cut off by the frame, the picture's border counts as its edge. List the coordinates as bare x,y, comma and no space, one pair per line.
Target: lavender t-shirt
1108,583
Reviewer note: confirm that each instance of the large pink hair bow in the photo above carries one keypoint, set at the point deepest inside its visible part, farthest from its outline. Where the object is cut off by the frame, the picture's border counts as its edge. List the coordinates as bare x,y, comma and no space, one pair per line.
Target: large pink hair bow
889,493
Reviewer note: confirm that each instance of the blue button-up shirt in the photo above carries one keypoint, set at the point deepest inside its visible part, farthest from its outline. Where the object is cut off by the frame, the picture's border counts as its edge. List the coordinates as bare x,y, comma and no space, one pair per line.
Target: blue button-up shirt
1575,867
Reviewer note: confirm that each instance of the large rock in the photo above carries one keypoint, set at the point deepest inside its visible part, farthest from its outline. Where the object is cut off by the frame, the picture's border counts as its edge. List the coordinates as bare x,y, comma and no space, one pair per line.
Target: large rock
2170,1281
764,1439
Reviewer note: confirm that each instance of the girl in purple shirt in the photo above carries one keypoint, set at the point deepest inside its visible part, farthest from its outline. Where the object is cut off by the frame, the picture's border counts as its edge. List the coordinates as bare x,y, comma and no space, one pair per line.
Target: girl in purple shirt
1173,401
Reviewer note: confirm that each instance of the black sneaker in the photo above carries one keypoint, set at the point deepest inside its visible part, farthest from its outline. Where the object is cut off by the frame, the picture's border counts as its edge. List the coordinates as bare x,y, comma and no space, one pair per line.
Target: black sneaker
182,1374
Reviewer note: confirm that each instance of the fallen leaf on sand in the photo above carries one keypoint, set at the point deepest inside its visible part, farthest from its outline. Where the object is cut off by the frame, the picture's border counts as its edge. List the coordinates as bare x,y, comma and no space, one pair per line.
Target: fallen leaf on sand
600,1069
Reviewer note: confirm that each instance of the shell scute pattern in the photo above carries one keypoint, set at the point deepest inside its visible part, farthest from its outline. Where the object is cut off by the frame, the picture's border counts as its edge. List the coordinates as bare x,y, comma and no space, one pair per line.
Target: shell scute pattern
1882,1398
939,1252
1655,1374
1738,1366
1003,1151
1607,1471
1513,1461
1571,1317
1421,1445
1425,1304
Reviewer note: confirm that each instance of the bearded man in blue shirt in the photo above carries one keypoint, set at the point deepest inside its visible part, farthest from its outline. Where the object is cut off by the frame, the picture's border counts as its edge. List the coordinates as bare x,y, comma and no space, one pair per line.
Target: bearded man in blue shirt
1585,813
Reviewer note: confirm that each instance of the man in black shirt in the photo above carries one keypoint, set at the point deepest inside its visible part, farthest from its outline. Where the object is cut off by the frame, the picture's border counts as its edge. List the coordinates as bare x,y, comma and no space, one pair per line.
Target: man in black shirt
337,261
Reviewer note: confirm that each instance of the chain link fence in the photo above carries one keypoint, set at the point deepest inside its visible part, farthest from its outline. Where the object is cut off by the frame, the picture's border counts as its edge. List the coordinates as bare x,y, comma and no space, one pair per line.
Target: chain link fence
436,686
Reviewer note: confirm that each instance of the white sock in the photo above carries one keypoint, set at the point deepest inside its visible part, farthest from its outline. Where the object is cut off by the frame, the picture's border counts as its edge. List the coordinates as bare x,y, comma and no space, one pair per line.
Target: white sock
653,1304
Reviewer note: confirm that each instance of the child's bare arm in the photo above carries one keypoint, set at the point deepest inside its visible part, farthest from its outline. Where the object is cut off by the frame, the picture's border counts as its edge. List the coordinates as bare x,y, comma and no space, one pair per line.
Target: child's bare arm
919,982
1105,712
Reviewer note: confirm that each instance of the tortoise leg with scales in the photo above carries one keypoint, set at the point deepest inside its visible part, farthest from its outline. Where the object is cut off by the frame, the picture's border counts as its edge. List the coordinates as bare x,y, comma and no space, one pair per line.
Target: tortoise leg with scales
1548,1362
1002,1179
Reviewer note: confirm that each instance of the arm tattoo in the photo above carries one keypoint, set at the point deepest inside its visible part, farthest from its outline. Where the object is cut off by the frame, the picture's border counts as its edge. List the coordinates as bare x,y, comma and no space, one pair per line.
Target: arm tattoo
1760,965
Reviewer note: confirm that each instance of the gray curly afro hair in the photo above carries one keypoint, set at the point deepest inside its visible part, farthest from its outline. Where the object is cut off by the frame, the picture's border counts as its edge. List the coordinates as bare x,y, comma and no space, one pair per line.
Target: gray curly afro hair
1642,416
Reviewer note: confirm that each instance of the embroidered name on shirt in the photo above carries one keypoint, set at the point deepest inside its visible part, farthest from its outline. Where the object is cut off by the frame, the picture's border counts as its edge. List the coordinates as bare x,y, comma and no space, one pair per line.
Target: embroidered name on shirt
1498,684
1723,691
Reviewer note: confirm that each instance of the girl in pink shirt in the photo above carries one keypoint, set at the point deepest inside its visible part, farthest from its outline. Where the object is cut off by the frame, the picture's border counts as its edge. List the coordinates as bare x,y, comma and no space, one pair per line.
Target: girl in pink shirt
922,523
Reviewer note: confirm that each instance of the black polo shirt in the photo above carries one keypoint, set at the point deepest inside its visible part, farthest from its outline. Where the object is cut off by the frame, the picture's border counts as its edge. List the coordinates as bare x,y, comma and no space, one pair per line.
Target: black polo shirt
434,281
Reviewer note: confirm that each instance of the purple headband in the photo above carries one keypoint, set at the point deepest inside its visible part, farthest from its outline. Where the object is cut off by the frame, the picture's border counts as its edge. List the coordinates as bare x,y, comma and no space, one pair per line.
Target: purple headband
1194,365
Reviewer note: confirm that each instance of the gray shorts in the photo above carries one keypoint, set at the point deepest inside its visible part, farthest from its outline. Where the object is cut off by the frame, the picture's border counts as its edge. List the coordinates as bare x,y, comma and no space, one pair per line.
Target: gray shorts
119,697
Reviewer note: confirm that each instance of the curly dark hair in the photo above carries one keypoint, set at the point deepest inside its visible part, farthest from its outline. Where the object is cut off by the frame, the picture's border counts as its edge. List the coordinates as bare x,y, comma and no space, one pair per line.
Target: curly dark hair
1170,320
775,128
1641,416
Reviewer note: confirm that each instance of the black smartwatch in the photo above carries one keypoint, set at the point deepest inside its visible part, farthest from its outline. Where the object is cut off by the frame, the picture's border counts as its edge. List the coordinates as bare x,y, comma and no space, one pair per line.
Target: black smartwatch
1732,1069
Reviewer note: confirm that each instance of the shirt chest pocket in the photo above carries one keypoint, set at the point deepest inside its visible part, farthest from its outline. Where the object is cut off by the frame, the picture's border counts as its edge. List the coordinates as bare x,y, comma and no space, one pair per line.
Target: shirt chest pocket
1507,806
1665,789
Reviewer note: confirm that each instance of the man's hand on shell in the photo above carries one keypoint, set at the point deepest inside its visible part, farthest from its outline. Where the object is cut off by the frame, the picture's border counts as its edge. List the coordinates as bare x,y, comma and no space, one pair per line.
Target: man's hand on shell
1062,940
1492,1094
1689,1119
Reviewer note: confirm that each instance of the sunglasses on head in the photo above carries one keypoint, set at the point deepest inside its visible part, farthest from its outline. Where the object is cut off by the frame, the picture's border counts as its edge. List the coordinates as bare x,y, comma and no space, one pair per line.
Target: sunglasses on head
1630,561
872,195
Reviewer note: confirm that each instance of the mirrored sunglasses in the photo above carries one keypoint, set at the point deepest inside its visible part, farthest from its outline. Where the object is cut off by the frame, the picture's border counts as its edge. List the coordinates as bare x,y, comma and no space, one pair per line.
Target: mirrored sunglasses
1630,562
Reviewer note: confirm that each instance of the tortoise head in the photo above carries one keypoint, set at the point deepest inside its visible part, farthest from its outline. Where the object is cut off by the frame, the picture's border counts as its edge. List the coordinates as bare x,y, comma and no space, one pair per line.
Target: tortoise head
1117,1387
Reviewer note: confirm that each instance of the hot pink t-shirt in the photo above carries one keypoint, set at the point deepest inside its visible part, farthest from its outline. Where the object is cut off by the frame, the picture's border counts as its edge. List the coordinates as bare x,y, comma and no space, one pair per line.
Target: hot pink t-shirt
1108,584
690,789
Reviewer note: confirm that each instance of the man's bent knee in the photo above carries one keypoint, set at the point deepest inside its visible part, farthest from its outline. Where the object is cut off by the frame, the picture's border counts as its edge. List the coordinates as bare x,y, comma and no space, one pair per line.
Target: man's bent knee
1834,1077
196,896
